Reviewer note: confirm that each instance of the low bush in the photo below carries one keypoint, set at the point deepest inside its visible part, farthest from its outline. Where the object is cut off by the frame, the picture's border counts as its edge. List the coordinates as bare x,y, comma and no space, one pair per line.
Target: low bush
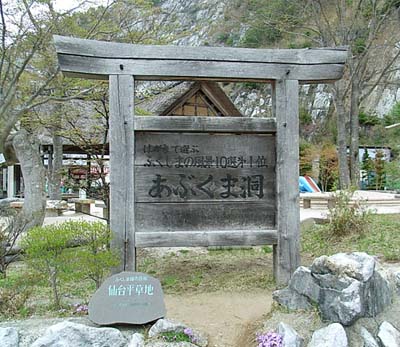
69,251
347,217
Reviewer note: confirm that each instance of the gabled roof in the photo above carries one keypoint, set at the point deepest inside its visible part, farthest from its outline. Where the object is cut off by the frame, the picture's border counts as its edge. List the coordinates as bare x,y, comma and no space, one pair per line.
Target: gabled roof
191,99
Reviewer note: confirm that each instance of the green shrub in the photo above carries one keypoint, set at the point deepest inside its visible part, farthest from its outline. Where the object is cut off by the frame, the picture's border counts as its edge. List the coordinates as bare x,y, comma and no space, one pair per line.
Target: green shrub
70,250
347,217
47,254
95,257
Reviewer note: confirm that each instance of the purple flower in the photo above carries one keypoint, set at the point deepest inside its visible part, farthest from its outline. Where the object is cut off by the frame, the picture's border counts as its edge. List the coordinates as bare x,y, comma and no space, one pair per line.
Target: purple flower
270,339
81,308
188,331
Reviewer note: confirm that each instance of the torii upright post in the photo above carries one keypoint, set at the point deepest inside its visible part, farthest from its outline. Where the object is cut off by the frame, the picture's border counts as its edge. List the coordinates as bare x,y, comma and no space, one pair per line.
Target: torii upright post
122,173
286,109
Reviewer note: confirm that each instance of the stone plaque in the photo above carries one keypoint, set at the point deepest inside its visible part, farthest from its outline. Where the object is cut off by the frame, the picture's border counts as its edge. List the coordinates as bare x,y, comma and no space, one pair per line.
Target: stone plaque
127,298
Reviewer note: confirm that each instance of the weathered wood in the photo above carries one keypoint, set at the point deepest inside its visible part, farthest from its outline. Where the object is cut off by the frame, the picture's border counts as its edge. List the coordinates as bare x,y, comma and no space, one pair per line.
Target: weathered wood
194,184
256,150
122,194
287,175
161,70
206,124
204,216
75,46
206,238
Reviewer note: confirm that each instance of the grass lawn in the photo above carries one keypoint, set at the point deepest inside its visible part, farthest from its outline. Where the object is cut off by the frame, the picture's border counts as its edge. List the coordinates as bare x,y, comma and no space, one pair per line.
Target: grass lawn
198,270
381,239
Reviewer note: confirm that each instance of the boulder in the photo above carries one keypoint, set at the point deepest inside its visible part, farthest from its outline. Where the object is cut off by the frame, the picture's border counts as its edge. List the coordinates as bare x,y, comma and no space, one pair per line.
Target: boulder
357,265
345,286
290,336
388,335
67,334
137,340
9,337
369,340
291,299
303,283
342,305
333,335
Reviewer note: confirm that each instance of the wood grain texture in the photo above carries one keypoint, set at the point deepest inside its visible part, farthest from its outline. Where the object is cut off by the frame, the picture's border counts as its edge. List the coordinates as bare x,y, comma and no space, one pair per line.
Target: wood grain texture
159,217
160,70
92,48
153,146
206,238
287,173
205,124
122,194
195,185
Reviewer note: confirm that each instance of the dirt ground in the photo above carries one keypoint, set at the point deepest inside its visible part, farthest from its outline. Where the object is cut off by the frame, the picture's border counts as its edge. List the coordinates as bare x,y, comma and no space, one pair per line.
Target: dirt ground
225,317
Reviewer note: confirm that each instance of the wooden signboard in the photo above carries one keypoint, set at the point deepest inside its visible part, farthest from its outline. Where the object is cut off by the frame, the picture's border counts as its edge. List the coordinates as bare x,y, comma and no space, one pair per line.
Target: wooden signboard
204,181
197,181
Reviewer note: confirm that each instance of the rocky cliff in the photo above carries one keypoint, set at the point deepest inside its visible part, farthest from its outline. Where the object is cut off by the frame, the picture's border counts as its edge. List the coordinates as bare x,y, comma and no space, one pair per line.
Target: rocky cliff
203,22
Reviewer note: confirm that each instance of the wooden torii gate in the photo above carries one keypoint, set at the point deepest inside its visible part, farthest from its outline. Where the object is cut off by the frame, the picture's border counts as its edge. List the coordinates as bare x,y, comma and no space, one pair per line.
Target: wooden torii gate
123,64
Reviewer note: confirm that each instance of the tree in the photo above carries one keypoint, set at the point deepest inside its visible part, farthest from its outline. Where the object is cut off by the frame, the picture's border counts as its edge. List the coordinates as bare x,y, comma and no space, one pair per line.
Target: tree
369,28
360,25
29,75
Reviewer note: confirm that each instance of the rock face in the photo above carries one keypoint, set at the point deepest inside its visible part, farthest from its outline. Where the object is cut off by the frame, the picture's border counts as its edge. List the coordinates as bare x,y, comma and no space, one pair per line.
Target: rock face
333,335
9,337
345,287
388,335
290,336
67,334
291,299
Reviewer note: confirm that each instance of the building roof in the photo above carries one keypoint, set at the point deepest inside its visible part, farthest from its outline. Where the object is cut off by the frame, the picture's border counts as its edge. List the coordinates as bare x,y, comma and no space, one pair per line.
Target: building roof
190,99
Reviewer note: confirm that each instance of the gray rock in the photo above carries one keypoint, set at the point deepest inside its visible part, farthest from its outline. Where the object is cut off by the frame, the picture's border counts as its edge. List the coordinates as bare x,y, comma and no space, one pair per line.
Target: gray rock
388,335
303,283
358,265
137,340
67,334
397,281
369,340
290,336
165,325
351,286
169,344
291,299
333,335
9,337
377,294
344,306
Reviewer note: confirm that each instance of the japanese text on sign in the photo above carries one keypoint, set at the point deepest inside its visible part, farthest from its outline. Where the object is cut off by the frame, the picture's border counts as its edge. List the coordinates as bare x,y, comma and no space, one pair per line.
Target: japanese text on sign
191,186
131,290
